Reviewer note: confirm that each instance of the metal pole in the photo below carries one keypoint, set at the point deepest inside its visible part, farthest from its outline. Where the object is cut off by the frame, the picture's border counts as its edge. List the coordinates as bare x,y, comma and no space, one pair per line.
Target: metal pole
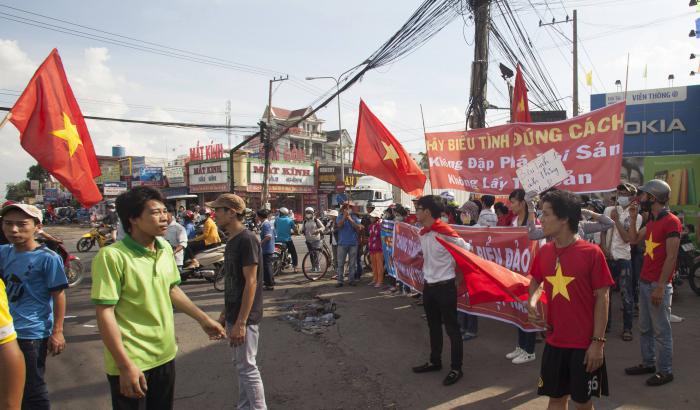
265,139
575,93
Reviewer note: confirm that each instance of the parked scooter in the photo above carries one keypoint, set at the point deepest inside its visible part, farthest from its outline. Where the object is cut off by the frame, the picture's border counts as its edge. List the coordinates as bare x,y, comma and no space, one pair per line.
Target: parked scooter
688,265
96,235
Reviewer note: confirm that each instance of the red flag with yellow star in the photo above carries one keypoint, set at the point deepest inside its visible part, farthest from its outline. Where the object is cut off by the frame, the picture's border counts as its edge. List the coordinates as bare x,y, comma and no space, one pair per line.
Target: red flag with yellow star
53,131
520,109
379,154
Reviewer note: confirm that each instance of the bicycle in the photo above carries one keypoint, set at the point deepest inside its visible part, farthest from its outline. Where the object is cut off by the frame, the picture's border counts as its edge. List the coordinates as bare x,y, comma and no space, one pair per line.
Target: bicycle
323,259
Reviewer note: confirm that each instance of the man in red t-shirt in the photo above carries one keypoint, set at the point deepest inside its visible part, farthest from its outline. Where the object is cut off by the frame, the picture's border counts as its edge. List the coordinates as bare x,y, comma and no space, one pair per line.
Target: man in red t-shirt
661,238
576,283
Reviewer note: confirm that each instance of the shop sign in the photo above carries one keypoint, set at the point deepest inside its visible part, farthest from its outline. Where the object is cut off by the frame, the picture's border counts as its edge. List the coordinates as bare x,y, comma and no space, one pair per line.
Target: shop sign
329,179
151,176
209,176
175,176
114,188
111,171
282,174
206,152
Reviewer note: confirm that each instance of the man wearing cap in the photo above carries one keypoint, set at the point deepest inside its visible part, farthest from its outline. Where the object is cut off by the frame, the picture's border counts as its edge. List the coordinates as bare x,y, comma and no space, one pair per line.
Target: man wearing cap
35,282
618,252
661,237
242,312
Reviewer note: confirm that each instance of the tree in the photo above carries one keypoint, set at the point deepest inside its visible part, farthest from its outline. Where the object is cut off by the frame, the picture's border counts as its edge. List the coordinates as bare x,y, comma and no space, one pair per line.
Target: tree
18,191
37,172
423,164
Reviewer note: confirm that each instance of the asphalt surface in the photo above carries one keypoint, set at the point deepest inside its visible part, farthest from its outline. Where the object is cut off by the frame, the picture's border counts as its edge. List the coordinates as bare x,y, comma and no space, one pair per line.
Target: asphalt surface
363,361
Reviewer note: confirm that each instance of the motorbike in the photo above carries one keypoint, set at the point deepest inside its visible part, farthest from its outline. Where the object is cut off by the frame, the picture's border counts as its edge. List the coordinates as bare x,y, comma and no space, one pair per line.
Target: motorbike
688,265
71,263
281,258
211,262
96,235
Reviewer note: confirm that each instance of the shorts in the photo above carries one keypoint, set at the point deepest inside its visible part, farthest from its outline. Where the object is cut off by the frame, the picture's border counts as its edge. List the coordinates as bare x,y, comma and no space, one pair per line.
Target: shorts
563,372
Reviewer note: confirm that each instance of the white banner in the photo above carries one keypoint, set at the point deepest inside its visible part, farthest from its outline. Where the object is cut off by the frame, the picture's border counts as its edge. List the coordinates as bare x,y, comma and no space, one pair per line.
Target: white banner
282,174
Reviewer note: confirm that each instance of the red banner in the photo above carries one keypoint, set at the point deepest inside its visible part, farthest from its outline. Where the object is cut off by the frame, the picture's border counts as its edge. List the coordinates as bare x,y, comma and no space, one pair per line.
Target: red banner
485,160
509,247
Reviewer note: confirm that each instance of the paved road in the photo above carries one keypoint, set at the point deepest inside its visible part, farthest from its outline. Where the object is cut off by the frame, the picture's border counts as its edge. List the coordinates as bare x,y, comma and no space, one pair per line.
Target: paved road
362,362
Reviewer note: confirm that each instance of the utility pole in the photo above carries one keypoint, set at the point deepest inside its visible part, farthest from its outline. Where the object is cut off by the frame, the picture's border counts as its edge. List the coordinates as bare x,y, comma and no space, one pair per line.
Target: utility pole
228,123
482,11
266,138
574,40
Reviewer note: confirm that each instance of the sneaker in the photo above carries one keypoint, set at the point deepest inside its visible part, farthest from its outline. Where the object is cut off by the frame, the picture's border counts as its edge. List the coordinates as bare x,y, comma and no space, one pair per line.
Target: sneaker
524,357
515,353
676,319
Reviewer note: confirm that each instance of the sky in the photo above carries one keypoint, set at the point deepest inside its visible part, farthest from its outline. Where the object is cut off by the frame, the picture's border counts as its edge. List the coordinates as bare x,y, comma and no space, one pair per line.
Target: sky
257,40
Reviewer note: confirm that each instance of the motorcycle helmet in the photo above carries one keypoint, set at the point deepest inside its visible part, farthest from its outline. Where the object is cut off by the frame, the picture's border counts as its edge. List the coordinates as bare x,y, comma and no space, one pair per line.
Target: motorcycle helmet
658,188
189,215
309,209
284,211
448,196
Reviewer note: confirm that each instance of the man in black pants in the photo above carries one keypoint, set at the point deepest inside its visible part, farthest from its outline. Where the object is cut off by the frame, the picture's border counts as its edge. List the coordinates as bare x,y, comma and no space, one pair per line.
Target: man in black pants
440,286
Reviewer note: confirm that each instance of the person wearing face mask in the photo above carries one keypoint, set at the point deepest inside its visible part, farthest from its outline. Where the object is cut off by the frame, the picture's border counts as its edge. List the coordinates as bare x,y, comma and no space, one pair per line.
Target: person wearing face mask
312,228
616,246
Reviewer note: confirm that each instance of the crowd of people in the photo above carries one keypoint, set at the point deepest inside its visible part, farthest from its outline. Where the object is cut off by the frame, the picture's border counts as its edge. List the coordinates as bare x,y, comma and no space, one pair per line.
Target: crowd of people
585,251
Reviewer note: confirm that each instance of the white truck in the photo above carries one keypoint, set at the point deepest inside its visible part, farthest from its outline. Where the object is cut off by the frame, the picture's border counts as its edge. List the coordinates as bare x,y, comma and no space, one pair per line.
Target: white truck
371,191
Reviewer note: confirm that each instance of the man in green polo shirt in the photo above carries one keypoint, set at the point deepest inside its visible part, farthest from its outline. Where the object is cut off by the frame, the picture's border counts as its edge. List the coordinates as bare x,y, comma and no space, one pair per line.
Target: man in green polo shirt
135,286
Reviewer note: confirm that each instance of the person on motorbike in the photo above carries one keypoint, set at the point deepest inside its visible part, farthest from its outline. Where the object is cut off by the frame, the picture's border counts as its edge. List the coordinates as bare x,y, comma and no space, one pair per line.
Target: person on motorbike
284,229
209,238
188,223
111,220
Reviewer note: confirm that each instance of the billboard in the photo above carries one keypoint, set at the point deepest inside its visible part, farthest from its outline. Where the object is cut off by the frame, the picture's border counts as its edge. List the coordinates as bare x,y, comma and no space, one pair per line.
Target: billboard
175,176
114,188
329,178
283,177
662,121
151,176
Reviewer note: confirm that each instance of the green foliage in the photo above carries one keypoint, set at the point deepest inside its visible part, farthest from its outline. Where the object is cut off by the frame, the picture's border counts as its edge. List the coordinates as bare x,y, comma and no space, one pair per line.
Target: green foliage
38,173
18,191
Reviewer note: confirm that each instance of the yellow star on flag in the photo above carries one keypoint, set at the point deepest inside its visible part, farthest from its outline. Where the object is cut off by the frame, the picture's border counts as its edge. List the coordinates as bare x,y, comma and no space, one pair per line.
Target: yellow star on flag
391,153
521,105
650,245
70,134
559,283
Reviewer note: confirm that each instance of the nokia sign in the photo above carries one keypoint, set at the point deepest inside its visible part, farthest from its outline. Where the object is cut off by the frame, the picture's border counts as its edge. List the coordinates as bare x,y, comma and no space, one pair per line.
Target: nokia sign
660,121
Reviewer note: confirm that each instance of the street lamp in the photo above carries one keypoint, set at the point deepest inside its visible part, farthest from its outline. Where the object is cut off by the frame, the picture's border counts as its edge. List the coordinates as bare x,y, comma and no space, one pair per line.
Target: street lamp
671,77
618,83
340,128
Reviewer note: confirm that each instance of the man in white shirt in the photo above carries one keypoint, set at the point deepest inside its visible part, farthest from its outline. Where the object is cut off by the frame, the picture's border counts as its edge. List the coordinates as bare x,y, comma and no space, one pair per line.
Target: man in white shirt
440,287
616,246
176,235
488,216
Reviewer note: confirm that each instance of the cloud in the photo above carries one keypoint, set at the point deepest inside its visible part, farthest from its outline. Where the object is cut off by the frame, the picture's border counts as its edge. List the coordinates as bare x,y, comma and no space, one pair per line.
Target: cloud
17,67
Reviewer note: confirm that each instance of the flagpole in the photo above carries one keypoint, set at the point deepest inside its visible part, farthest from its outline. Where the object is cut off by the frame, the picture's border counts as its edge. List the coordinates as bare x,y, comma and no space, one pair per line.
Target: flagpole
7,118
425,139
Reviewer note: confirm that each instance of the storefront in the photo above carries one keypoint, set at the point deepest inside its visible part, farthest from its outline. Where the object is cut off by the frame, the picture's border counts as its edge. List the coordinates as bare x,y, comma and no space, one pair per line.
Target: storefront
208,179
662,127
291,185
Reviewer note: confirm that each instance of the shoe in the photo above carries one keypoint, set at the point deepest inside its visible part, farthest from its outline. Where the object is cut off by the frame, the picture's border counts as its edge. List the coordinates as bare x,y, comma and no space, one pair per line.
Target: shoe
524,357
372,284
338,285
676,319
377,285
452,377
515,353
468,336
352,283
627,336
427,367
640,369
659,379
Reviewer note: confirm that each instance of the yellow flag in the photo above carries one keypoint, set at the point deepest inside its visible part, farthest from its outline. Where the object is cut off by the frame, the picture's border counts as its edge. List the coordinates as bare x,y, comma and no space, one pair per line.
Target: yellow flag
589,78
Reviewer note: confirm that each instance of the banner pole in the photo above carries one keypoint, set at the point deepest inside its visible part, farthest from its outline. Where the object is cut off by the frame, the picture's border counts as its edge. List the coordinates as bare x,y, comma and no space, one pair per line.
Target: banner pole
425,139
6,119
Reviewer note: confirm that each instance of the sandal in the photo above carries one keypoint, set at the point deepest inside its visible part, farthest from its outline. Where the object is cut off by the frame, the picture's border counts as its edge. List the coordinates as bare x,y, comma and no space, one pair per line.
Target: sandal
660,379
627,336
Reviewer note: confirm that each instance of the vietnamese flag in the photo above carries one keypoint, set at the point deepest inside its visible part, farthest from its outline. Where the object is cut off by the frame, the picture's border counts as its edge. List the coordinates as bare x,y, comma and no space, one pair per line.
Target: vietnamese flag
488,281
379,154
519,108
53,131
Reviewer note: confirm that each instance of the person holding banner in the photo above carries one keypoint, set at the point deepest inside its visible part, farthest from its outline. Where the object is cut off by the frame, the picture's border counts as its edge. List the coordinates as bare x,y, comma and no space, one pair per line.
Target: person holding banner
524,212
439,287
576,281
